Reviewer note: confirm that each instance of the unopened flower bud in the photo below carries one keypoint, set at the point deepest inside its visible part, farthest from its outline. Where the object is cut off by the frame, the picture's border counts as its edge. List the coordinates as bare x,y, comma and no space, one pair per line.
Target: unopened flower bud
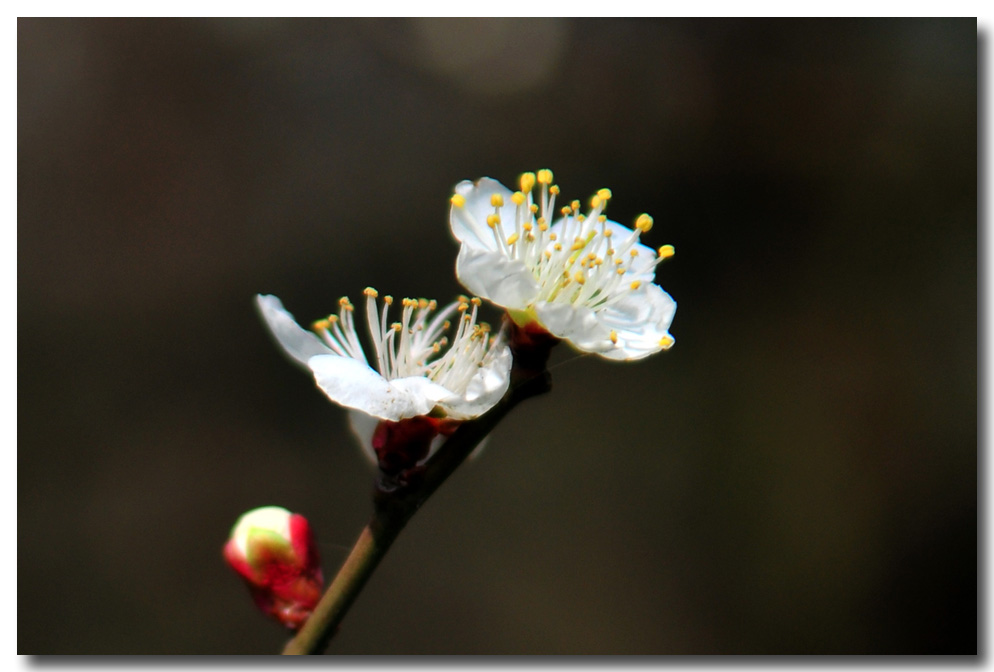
275,553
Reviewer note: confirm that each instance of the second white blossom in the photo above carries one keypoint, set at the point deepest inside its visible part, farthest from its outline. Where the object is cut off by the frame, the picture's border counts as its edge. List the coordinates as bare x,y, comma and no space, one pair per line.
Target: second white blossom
581,277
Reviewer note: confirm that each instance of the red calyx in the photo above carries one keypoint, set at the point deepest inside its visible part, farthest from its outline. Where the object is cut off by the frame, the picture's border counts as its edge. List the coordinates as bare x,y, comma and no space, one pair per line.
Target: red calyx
402,445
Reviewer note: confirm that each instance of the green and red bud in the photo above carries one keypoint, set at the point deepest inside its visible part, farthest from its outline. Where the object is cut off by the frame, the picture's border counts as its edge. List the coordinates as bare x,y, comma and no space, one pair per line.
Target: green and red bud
275,553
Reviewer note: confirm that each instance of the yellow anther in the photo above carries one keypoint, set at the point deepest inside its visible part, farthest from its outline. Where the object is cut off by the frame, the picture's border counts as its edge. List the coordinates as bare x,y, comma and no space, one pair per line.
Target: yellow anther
369,291
446,325
320,325
643,223
598,261
604,194
512,239
602,218
574,206
462,298
545,176
619,261
578,245
344,301
665,342
636,284
533,208
608,233
548,255
620,271
581,218
397,326
476,301
554,190
422,303
530,237
553,236
542,224
527,226
595,201
457,200
388,300
332,319
614,337
518,198
527,182
565,210
666,251
462,307
493,220
435,347
557,247
579,277
633,254
433,304
496,200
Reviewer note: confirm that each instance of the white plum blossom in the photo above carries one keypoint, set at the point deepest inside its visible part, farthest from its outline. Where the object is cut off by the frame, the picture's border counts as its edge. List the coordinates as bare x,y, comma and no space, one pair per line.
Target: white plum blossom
583,278
415,369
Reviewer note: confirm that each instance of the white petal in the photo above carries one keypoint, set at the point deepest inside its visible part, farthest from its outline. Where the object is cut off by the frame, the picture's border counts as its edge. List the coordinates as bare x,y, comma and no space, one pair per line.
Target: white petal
428,392
296,342
469,222
504,281
640,320
485,389
363,426
353,384
576,324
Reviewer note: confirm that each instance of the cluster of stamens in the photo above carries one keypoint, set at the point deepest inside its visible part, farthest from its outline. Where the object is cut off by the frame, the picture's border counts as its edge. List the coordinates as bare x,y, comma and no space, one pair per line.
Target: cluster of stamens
414,345
580,262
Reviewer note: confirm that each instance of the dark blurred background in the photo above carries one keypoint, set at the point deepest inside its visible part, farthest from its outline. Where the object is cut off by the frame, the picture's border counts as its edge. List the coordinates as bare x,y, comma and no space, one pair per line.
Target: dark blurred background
797,475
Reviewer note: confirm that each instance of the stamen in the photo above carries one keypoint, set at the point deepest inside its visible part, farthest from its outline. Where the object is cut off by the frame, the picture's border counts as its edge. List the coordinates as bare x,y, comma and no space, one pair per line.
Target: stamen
527,182
666,251
458,200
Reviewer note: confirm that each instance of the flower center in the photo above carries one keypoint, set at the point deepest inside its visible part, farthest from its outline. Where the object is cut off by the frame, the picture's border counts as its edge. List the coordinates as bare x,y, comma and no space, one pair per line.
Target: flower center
414,345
